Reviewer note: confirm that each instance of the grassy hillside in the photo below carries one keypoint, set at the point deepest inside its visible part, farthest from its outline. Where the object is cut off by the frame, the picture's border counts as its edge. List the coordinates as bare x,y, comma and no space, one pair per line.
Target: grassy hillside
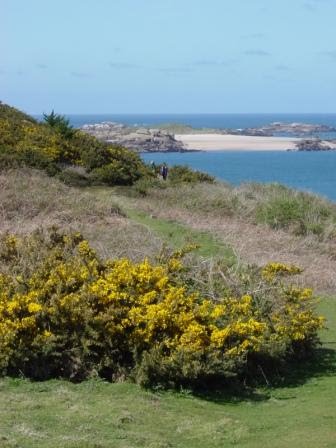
274,205
14,115
31,200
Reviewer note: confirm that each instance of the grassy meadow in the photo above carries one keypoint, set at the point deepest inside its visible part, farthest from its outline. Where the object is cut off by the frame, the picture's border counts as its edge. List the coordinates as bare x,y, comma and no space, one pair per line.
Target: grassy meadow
296,410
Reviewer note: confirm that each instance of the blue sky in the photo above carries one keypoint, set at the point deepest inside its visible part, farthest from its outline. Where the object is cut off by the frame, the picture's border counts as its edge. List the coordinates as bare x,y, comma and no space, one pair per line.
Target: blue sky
184,56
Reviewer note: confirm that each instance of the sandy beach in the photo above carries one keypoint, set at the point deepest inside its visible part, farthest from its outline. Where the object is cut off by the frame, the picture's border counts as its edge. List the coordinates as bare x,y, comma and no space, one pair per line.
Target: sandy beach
220,142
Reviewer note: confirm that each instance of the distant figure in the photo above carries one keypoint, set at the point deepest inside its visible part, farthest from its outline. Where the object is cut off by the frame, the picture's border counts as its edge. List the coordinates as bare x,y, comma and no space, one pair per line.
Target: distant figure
153,166
164,171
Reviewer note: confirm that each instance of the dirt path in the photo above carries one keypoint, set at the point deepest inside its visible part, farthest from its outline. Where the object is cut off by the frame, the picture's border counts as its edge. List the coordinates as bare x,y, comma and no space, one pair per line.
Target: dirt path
260,244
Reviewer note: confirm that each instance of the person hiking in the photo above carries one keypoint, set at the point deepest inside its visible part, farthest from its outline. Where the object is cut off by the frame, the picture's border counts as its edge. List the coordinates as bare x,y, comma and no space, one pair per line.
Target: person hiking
164,171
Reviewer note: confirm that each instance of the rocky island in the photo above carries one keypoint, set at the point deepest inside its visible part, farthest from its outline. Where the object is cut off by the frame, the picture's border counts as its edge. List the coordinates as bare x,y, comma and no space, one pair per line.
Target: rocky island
138,139
181,138
293,129
315,144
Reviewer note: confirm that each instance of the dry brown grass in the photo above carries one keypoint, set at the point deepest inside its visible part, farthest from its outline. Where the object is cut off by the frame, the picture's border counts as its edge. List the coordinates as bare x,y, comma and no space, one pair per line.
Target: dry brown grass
30,200
253,243
272,204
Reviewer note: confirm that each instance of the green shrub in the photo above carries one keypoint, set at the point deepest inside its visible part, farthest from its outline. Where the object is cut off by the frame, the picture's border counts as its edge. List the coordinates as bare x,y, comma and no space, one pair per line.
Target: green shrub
74,178
177,175
297,211
143,186
115,173
182,173
93,153
59,123
187,368
13,114
280,212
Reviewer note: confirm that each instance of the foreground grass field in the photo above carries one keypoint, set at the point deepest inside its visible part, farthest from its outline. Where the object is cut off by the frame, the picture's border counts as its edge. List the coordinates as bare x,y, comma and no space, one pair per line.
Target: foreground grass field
96,414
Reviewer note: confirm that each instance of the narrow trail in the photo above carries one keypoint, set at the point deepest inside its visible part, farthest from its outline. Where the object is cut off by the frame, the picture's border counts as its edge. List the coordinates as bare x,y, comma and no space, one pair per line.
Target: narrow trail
255,244
259,245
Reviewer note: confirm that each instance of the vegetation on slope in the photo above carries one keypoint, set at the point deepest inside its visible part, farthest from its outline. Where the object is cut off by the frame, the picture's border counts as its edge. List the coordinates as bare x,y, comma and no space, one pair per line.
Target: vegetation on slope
30,200
302,234
274,205
55,147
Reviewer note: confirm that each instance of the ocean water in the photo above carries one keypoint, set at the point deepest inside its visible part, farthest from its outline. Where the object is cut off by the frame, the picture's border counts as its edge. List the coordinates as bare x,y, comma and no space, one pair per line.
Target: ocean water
307,171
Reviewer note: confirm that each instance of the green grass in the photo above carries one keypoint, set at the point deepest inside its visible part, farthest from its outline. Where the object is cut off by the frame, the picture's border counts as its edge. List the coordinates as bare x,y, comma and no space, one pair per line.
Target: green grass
273,205
177,235
96,414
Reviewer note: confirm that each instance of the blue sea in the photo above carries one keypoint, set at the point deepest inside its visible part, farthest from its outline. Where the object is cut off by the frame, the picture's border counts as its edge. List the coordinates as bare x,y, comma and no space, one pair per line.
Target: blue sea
315,172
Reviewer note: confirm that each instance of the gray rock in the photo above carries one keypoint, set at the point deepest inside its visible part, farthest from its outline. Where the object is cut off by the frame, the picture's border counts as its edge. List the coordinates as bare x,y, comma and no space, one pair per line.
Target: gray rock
295,129
313,145
138,139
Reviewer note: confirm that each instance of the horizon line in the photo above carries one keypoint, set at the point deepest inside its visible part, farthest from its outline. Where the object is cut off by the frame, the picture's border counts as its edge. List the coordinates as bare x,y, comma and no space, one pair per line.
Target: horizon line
189,113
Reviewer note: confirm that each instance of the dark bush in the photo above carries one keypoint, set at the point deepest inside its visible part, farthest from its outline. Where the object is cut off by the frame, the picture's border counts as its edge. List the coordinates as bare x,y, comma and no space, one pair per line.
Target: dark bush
74,178
182,173
60,123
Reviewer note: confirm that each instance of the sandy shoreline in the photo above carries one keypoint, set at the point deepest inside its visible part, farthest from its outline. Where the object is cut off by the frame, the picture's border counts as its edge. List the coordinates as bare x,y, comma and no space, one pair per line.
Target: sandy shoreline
220,142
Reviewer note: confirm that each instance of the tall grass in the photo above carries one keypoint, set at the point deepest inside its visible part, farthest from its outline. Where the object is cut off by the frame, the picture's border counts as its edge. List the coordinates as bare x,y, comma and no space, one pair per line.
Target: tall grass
261,223
31,200
274,205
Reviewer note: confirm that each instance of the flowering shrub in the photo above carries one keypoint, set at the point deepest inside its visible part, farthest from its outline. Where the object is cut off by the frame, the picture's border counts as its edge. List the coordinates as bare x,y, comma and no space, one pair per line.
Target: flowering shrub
23,141
66,313
271,271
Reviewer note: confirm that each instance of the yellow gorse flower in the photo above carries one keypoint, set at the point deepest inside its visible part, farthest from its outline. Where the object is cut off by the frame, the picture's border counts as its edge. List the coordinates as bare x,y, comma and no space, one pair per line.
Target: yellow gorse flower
137,306
272,270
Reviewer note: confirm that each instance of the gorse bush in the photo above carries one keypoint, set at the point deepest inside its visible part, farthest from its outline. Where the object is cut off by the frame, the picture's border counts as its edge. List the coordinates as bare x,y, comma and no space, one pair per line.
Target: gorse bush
122,167
54,145
66,313
73,176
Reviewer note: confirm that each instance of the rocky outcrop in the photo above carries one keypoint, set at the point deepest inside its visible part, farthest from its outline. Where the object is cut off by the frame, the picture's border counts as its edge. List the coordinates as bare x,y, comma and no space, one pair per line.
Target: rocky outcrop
139,139
295,129
315,144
